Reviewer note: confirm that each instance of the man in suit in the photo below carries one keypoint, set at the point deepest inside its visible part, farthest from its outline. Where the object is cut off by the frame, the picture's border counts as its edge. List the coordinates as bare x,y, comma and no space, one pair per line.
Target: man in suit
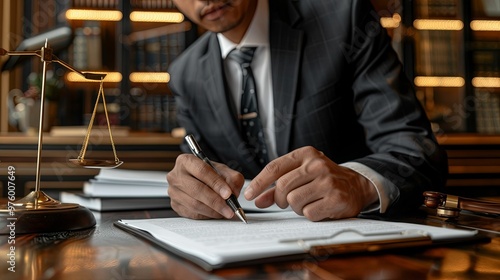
343,131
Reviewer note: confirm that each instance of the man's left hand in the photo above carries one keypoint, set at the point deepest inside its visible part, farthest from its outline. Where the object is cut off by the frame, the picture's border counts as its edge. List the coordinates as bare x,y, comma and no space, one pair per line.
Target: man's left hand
312,185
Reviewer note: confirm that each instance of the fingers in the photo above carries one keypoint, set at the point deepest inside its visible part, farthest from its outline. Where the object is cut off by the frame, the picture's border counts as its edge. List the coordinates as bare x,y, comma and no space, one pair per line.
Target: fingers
266,199
341,193
271,173
339,202
288,185
286,173
195,200
186,206
205,173
304,195
234,179
311,184
197,191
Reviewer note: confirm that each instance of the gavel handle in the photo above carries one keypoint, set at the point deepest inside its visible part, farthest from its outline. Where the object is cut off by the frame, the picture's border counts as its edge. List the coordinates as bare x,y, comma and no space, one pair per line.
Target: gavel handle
480,206
438,200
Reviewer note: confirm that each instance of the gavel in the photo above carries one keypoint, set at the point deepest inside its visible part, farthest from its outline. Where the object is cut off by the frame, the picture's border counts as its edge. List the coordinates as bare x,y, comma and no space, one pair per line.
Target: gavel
449,206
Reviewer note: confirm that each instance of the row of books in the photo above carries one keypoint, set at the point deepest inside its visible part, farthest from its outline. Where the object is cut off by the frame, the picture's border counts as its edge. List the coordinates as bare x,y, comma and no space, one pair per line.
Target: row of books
437,8
486,59
439,53
487,112
438,50
137,109
152,4
122,189
155,54
153,113
87,48
106,4
114,4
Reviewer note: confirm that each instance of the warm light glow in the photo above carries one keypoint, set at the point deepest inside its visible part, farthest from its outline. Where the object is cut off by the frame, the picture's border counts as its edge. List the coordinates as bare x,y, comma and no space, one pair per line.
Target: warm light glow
429,81
391,22
485,25
83,14
149,77
486,82
438,24
111,77
142,16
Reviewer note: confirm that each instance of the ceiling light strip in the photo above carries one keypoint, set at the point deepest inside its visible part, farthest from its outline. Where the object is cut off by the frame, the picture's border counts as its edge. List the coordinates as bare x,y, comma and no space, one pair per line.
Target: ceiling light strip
98,15
111,77
432,81
149,77
438,24
143,16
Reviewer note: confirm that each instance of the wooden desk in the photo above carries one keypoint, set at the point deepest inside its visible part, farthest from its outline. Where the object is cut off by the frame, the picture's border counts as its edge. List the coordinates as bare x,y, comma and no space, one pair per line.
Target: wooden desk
106,252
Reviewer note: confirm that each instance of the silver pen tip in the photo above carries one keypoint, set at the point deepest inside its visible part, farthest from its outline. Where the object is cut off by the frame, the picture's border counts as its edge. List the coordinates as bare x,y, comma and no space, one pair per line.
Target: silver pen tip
241,215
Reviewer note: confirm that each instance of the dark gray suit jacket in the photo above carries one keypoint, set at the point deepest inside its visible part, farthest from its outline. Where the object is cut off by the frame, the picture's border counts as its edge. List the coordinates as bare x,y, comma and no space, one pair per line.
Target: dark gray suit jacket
338,86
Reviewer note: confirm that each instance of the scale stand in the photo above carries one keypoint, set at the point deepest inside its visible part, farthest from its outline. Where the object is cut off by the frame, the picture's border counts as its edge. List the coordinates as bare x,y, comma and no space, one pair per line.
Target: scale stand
37,212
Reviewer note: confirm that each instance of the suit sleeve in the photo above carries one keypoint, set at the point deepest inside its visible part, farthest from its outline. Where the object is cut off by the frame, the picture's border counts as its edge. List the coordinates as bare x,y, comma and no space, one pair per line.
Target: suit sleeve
397,130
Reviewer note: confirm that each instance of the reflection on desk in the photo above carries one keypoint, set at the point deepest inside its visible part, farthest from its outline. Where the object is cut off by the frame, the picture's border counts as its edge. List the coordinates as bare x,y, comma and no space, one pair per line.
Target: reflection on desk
106,252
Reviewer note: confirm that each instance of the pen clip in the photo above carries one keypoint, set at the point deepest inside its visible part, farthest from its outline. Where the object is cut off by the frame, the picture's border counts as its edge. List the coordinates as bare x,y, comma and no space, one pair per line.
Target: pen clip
193,145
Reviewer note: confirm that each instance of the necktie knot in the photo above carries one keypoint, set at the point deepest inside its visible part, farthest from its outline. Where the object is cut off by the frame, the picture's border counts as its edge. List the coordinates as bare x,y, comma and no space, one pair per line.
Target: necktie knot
242,55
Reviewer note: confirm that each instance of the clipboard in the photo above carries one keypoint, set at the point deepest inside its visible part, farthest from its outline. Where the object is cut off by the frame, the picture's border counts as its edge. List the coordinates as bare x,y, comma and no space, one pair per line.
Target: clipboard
301,248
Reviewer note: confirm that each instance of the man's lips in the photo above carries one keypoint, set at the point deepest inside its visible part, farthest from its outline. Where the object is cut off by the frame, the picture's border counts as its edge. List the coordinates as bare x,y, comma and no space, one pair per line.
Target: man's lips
214,11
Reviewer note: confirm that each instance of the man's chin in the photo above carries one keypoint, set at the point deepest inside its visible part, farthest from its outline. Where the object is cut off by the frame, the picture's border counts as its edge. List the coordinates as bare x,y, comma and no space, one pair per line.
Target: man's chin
219,26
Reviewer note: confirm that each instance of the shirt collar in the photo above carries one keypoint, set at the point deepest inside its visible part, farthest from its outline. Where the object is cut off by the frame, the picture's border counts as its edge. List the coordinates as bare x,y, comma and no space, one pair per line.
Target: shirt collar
256,35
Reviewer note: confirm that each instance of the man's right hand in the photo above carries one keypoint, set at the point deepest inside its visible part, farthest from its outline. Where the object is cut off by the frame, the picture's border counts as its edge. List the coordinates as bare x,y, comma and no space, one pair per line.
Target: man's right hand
198,192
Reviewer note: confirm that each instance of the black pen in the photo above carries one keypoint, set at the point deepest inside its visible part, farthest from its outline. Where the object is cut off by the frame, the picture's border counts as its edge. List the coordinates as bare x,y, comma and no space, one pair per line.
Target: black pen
232,201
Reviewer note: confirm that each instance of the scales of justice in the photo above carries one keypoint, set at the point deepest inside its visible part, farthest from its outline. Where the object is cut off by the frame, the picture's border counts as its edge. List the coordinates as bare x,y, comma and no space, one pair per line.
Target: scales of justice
37,212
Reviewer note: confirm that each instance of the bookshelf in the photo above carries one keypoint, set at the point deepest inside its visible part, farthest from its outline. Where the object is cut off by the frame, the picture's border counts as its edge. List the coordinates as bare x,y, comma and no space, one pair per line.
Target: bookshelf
456,59
439,71
484,56
142,43
132,41
453,50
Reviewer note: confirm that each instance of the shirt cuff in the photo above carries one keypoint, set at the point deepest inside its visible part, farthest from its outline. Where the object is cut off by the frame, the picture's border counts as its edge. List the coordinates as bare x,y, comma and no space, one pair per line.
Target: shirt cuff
386,190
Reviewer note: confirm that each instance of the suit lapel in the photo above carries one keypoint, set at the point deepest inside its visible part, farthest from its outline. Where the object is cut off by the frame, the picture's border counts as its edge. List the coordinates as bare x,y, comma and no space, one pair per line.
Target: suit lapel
214,79
286,51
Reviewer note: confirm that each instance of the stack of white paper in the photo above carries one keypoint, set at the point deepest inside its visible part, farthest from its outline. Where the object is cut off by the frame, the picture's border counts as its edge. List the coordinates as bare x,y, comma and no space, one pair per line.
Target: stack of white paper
127,183
122,189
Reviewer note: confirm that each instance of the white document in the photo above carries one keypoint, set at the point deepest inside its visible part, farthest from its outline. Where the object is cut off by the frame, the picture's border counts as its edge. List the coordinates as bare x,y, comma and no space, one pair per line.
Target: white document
145,176
127,183
219,242
124,189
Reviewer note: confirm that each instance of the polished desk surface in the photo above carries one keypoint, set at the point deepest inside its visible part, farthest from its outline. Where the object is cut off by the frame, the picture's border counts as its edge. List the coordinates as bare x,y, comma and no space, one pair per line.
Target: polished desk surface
106,252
